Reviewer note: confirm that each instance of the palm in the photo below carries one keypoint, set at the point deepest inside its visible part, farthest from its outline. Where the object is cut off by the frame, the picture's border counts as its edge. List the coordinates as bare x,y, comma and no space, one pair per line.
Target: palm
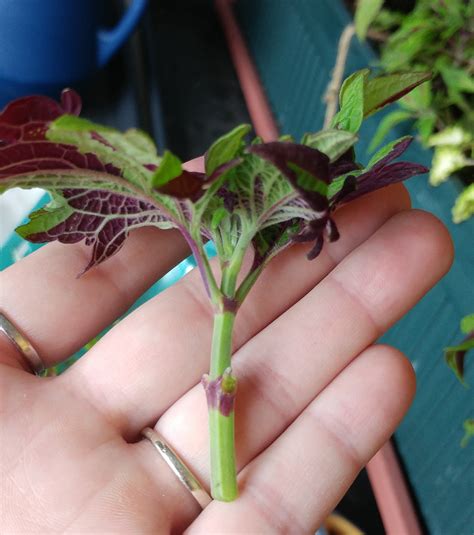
309,414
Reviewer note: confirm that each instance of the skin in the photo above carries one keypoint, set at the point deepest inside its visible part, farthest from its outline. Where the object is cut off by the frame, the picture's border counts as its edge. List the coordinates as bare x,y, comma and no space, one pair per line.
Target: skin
316,397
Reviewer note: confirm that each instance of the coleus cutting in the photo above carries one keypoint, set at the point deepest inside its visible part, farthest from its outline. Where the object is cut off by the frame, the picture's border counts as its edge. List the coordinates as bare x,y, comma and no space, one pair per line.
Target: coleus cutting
259,196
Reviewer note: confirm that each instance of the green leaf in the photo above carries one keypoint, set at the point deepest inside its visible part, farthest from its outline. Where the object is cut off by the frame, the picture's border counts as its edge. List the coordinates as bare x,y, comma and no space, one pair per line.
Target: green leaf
351,102
386,125
169,168
366,11
383,90
338,183
453,135
72,123
381,153
333,143
308,181
467,324
419,99
129,151
468,426
425,126
402,49
463,208
454,357
446,160
388,19
225,148
44,219
218,216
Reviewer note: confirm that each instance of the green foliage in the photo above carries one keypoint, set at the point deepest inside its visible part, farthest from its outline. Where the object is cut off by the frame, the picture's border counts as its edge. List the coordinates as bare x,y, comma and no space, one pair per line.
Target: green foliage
455,355
455,359
437,36
467,324
351,102
365,13
468,432
226,148
169,168
334,143
361,96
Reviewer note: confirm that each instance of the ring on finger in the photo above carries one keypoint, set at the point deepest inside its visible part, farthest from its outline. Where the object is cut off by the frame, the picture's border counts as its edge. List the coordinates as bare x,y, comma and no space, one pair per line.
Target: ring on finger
177,465
22,344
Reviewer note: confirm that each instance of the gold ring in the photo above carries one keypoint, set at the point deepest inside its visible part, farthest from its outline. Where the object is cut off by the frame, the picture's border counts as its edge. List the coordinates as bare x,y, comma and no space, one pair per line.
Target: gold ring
24,346
183,473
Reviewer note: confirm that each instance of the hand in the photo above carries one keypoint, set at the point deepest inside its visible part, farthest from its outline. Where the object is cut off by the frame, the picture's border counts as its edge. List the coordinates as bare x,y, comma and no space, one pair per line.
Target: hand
315,400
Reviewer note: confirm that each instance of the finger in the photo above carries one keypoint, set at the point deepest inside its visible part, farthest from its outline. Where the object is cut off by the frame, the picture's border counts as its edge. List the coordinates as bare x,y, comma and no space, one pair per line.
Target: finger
168,339
59,312
295,483
282,368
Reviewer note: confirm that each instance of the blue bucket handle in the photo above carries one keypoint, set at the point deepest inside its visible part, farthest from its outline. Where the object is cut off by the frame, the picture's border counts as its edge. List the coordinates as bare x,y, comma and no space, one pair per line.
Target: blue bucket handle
109,41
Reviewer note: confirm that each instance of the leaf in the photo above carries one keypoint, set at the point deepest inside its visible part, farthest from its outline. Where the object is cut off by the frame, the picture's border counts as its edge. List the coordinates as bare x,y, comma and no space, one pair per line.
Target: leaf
453,135
342,186
455,356
446,160
425,126
361,97
382,90
457,79
333,143
381,172
218,216
110,146
25,119
351,102
307,169
399,52
463,208
170,167
92,198
271,240
419,99
365,13
102,218
226,148
468,426
467,324
386,125
391,151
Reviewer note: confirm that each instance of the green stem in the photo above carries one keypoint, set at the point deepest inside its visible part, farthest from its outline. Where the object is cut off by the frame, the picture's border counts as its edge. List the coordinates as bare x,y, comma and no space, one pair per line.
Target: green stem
247,284
221,343
221,419
220,386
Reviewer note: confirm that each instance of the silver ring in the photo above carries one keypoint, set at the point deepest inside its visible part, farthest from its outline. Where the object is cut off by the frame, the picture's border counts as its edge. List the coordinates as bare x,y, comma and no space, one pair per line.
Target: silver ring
26,349
183,473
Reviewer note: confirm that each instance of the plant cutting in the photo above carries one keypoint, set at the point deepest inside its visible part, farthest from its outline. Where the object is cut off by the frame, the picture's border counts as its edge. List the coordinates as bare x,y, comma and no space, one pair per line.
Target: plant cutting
256,198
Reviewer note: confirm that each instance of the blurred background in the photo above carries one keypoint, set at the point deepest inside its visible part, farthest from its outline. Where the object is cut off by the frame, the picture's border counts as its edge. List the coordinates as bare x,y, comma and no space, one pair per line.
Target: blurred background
169,71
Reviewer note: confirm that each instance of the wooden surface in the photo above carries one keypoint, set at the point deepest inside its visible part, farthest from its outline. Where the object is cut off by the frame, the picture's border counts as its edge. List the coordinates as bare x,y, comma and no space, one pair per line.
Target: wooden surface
293,43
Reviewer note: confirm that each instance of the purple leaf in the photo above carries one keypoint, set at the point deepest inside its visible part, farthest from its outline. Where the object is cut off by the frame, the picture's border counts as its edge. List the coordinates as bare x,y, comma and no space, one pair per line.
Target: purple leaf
192,184
290,159
27,118
273,239
383,173
102,218
344,164
92,199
